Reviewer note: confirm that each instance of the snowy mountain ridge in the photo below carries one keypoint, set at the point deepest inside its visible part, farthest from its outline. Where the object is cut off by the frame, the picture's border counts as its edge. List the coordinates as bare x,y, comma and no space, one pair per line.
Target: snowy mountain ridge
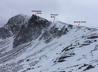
36,45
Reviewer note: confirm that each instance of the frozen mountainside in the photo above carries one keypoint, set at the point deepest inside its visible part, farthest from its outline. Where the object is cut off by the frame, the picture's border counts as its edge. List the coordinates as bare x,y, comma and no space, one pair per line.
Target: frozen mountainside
36,45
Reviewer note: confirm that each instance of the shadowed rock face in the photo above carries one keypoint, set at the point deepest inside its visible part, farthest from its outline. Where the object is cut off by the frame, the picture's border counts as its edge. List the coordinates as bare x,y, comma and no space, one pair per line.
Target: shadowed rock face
35,27
32,31
36,21
25,29
14,24
4,33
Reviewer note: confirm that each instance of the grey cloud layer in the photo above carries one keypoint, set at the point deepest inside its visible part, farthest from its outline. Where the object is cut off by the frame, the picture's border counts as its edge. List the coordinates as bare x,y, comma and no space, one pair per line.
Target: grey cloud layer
69,10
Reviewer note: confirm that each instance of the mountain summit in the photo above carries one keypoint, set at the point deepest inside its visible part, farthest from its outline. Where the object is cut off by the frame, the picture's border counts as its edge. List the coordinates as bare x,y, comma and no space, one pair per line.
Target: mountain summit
34,44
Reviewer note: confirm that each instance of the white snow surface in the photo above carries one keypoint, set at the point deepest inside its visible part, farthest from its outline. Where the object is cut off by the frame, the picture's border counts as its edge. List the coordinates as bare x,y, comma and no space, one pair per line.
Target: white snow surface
38,56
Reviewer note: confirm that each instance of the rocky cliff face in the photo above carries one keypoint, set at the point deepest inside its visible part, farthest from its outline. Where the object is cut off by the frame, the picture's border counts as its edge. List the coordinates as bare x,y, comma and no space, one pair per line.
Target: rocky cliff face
4,33
32,30
14,24
27,29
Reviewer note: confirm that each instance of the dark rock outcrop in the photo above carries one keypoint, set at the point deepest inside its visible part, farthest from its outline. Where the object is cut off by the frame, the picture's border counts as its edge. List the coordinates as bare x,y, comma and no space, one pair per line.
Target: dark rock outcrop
32,31
25,29
4,33
14,24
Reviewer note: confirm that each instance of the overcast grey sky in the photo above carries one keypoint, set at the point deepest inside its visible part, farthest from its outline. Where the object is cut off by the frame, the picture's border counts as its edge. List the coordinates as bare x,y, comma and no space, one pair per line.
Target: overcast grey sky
68,10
